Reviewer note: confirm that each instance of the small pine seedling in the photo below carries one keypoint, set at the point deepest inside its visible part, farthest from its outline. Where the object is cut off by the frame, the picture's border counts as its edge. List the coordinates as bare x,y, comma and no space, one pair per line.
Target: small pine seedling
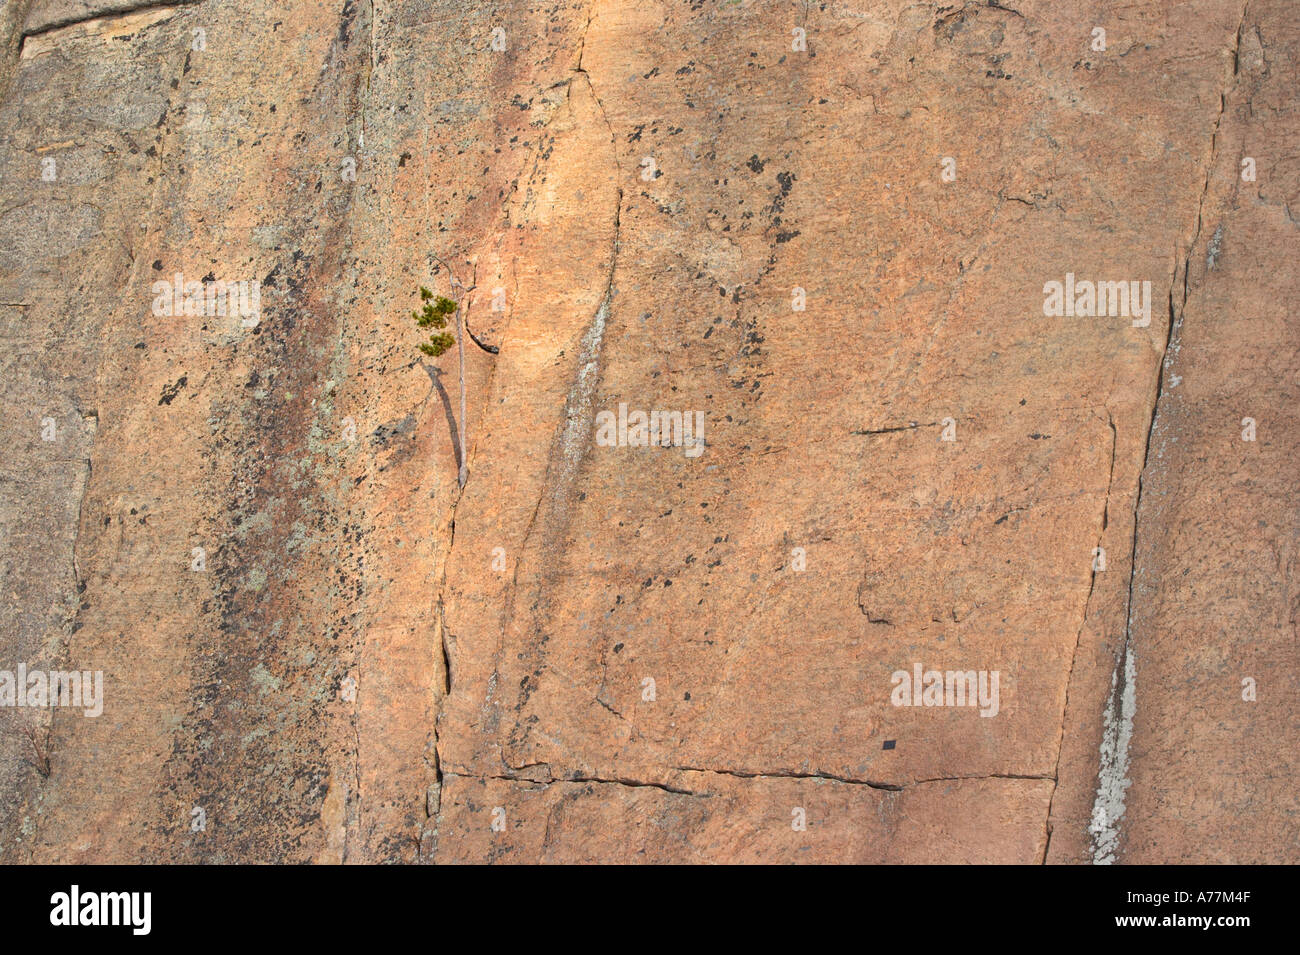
434,315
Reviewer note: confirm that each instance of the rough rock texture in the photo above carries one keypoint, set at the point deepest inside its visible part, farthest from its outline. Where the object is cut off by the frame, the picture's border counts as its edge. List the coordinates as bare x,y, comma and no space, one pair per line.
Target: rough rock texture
321,648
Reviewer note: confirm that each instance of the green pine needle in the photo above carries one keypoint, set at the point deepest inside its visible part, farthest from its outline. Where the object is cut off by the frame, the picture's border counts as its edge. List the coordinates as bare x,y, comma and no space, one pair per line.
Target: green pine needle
434,314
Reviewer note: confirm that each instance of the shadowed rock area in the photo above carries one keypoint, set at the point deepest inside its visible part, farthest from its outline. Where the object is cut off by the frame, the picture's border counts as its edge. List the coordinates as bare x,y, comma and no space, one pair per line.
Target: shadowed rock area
977,322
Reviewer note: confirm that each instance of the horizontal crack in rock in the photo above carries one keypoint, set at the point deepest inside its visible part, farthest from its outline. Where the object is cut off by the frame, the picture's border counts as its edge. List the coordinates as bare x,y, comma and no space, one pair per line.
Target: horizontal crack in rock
790,774
617,781
107,12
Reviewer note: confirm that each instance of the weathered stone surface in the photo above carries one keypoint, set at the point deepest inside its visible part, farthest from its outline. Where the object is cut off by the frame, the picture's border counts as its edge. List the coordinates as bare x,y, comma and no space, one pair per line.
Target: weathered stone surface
1216,598
705,817
366,662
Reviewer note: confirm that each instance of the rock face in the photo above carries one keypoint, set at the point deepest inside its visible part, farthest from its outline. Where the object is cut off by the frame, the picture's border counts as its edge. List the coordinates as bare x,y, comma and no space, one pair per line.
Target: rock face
815,245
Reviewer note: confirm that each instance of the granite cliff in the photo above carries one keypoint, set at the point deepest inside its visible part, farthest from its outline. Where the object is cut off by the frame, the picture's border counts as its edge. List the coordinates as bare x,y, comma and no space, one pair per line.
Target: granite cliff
826,232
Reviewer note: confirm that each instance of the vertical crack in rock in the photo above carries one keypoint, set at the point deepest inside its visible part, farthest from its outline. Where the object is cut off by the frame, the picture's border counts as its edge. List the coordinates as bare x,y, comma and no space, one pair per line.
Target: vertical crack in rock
567,451
1078,637
569,445
76,535
1117,720
363,101
441,612
356,771
440,620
